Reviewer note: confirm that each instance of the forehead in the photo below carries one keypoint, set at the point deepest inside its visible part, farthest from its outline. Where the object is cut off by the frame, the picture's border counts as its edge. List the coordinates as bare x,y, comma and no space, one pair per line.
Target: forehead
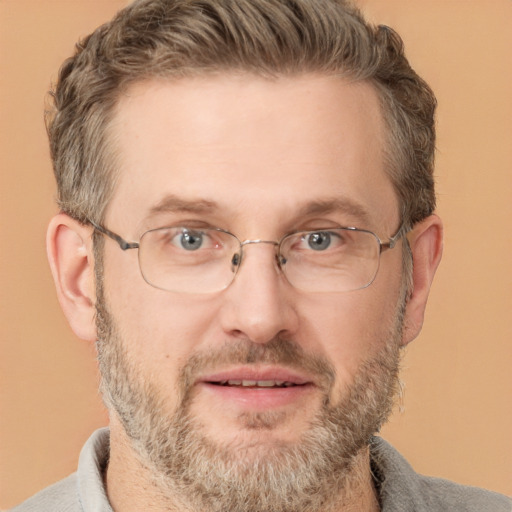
254,148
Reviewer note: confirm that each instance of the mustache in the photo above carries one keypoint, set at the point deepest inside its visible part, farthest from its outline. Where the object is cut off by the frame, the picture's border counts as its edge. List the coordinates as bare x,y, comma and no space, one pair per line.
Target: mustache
278,351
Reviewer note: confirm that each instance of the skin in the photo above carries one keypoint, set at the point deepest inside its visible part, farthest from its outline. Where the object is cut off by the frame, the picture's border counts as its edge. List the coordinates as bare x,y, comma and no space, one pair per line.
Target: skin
262,150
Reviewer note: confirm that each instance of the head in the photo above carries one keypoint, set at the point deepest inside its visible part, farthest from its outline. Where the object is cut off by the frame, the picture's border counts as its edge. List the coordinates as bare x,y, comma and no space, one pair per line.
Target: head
260,118
267,38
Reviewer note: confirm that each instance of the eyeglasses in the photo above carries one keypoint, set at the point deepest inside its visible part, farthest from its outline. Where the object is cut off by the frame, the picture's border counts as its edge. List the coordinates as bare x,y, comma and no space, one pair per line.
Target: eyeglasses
196,260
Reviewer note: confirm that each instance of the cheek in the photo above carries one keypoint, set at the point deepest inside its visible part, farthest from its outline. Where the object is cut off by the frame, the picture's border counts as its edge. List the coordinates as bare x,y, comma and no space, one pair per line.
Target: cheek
350,329
164,325
160,330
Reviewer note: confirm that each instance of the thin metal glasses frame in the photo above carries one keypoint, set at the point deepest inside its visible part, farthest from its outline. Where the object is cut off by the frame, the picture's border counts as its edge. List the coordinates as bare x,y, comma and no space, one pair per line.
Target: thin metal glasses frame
383,246
124,245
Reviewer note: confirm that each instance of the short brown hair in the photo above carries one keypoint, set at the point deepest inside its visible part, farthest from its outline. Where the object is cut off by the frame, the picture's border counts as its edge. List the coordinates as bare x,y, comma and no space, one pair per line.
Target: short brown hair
180,38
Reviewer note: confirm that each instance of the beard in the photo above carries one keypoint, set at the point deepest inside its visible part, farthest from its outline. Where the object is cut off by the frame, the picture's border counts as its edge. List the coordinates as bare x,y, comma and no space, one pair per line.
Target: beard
193,472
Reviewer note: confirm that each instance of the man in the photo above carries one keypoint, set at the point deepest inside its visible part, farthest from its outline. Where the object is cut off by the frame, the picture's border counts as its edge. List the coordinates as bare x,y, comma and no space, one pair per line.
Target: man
247,230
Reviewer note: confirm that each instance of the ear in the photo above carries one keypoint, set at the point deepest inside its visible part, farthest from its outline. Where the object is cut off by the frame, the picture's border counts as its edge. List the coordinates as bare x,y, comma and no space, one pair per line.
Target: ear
426,243
70,253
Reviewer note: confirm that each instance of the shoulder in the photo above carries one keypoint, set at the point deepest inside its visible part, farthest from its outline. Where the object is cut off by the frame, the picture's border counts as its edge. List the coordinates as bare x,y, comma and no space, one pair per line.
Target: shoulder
82,491
59,497
402,489
440,493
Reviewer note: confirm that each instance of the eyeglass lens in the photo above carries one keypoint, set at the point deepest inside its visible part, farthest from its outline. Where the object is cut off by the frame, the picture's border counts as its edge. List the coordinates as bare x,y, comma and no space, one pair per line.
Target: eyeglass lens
180,259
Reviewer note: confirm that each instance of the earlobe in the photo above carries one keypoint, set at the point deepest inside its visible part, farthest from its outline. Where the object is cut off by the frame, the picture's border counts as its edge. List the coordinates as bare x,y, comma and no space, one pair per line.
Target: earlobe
426,243
70,253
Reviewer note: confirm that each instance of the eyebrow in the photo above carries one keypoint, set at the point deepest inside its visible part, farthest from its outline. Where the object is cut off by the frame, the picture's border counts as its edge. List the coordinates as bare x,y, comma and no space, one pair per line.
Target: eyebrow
336,205
174,204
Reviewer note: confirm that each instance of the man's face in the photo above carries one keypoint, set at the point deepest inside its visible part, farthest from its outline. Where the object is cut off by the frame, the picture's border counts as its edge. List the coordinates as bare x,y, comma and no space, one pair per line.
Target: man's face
259,158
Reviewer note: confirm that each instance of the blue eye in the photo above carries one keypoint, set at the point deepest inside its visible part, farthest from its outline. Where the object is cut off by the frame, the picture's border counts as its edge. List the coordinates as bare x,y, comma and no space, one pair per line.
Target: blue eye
191,240
319,241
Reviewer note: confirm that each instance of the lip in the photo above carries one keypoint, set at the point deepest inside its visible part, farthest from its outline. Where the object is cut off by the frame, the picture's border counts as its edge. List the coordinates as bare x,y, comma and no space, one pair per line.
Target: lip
255,373
254,397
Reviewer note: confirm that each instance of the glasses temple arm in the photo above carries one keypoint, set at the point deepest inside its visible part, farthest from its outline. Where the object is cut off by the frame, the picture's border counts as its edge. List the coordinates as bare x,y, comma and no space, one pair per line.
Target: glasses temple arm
394,239
121,241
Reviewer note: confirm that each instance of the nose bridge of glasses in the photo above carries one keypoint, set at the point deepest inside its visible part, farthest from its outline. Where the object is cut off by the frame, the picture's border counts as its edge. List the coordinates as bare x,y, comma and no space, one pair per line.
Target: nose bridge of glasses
237,258
248,242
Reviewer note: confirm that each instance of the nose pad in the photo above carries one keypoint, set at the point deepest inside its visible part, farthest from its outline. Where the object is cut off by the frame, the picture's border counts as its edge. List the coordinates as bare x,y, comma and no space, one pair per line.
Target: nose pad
236,261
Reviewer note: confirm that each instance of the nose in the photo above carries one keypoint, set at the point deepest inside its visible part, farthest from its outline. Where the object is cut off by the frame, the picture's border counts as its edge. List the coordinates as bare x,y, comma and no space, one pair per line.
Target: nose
259,303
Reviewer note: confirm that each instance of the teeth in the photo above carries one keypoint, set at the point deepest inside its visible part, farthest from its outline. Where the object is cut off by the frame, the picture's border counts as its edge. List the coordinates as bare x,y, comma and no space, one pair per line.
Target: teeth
257,383
266,383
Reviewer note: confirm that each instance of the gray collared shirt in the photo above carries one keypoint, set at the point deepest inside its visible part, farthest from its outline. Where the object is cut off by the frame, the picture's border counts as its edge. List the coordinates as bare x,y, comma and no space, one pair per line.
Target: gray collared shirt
400,488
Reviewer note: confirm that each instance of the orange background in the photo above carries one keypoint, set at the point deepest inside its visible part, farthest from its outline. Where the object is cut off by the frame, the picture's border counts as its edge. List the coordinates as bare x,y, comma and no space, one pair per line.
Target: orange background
457,418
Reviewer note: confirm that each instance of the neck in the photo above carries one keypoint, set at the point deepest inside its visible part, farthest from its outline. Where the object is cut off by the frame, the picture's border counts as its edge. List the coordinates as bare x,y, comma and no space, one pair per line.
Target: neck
360,492
130,487
128,482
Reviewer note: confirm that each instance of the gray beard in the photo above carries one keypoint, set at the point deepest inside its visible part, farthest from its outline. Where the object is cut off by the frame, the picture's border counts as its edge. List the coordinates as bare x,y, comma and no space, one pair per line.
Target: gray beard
193,472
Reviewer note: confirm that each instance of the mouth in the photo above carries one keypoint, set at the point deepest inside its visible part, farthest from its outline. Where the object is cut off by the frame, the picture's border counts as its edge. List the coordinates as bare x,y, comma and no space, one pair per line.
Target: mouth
257,389
258,377
264,384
